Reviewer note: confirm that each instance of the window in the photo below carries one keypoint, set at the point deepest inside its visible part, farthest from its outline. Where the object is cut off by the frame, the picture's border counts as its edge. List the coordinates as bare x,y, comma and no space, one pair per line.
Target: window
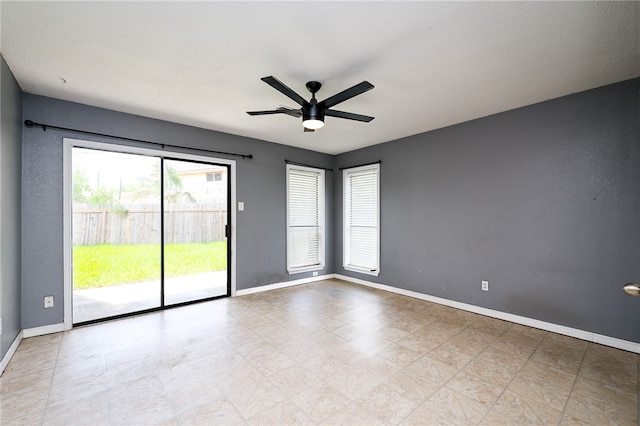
305,219
217,176
362,219
209,177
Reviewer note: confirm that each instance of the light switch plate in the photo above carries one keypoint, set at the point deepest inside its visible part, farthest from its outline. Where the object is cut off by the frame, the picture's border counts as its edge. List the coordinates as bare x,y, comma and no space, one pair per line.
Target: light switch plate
240,206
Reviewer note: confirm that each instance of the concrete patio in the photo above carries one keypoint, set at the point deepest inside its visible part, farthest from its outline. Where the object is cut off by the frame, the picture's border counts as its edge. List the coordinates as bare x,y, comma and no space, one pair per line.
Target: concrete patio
101,302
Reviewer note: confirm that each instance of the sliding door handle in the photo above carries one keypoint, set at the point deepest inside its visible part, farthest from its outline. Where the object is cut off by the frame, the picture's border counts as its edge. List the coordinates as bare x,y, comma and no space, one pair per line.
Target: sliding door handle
632,289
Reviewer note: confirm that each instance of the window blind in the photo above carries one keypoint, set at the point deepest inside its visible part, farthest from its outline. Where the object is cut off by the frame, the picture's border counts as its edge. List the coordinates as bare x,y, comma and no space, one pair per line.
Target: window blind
305,218
361,234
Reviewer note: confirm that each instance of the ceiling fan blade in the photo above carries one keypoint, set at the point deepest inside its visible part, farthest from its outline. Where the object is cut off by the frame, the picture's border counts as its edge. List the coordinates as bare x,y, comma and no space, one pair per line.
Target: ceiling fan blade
348,115
290,111
282,88
275,111
347,94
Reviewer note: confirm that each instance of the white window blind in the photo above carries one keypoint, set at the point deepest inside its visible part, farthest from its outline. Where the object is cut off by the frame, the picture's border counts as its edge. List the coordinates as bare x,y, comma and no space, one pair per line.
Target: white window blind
362,219
305,219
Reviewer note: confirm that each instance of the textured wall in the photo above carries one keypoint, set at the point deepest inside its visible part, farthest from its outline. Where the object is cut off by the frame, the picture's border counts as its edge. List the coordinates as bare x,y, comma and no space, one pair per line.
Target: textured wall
542,201
10,146
260,239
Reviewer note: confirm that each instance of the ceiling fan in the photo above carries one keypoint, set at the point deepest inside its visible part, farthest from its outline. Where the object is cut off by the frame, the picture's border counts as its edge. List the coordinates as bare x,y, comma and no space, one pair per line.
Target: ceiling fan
312,111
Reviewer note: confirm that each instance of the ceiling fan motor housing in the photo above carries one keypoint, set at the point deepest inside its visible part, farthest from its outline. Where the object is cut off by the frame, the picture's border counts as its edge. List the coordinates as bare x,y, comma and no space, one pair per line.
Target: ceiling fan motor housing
312,112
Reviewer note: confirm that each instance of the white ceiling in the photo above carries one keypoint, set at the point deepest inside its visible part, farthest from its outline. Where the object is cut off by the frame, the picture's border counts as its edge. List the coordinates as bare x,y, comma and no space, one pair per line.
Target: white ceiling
434,64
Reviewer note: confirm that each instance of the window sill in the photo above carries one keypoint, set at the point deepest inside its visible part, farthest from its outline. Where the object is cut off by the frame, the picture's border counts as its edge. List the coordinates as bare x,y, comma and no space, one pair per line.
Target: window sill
362,271
305,269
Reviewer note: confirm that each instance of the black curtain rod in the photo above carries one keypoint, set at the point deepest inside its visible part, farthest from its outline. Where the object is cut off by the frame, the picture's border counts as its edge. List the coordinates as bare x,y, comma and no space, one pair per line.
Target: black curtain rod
361,165
306,165
30,123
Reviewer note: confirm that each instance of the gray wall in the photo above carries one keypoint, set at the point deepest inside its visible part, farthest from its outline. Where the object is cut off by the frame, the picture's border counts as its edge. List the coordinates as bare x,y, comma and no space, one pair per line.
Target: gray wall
10,174
542,201
261,243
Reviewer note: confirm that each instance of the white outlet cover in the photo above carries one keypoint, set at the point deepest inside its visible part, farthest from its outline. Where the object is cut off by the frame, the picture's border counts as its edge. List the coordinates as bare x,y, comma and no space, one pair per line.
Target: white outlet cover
48,302
241,206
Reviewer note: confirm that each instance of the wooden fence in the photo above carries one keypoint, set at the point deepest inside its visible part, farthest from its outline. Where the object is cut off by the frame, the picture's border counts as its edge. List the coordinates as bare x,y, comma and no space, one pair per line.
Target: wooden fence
140,224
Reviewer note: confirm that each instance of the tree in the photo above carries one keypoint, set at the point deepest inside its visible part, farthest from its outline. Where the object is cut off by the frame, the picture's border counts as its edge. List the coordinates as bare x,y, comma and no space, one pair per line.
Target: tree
81,187
149,187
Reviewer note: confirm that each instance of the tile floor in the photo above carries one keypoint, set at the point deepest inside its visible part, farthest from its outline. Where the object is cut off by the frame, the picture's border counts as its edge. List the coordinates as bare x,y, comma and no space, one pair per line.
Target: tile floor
324,353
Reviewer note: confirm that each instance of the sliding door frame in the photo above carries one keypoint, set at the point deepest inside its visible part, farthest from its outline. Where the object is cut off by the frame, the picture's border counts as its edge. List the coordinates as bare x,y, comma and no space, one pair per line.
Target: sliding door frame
69,144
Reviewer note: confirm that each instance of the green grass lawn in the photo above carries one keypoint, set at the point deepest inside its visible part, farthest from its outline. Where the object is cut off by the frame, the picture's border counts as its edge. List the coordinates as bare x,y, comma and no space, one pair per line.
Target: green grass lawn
105,265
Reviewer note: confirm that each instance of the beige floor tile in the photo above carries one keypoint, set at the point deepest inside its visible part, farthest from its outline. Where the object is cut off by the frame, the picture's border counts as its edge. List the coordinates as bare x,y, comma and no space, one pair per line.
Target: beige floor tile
493,418
432,370
354,383
495,366
591,401
352,415
367,344
412,385
611,373
78,354
549,374
325,353
471,341
218,411
475,388
423,416
272,362
440,331
255,398
401,354
189,393
68,390
325,365
455,407
602,412
569,420
283,413
417,343
84,410
565,359
29,405
450,354
17,384
142,401
320,401
386,405
407,324
130,371
522,410
520,348
540,390
24,362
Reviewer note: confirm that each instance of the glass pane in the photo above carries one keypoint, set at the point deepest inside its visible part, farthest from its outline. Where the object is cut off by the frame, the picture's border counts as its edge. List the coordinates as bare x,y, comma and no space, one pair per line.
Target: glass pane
195,251
116,233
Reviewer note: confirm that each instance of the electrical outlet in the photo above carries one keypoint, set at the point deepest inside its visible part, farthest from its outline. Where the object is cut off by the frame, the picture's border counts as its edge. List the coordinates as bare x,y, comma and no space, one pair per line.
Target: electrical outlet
48,301
485,285
315,274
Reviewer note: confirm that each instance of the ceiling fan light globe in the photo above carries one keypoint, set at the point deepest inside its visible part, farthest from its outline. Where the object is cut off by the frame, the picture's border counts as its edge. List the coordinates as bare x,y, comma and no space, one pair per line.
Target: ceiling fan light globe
313,124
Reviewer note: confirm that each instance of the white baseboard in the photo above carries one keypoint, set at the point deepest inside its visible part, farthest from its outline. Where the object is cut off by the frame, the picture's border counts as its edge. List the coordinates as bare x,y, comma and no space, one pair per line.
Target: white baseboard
39,331
555,328
284,284
12,350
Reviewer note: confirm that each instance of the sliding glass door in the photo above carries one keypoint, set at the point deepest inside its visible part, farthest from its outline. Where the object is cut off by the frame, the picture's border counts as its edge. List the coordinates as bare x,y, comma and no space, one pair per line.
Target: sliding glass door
148,232
195,227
